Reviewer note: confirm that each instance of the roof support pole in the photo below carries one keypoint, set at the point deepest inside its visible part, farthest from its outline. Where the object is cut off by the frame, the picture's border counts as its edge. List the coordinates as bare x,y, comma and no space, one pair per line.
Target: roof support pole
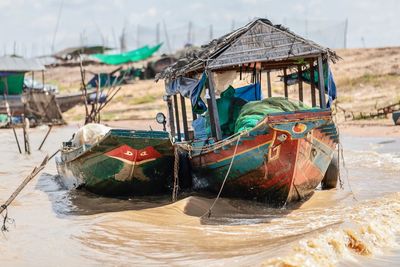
299,77
213,107
171,116
178,126
321,83
312,83
184,118
285,83
269,84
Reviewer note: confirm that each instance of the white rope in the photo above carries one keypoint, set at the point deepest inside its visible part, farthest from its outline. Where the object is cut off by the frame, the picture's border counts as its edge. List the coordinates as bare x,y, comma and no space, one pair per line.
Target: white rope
223,183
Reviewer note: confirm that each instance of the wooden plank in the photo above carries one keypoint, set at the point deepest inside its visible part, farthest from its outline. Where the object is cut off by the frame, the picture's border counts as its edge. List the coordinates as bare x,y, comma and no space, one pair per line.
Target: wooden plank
171,116
321,83
178,126
269,84
213,106
285,83
300,73
184,118
312,84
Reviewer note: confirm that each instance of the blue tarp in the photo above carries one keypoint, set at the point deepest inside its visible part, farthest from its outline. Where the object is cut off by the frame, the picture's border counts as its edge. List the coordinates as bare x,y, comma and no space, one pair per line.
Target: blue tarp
190,88
249,92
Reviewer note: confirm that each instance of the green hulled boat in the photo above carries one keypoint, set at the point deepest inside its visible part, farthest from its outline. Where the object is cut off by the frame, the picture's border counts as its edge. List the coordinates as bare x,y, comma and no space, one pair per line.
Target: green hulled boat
121,162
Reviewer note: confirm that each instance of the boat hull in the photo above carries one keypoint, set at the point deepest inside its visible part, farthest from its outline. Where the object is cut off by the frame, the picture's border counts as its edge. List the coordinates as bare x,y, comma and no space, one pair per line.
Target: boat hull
273,164
124,162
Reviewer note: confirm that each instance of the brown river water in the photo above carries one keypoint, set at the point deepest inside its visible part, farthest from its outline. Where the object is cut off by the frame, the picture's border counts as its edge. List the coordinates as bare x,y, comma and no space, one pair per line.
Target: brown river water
354,226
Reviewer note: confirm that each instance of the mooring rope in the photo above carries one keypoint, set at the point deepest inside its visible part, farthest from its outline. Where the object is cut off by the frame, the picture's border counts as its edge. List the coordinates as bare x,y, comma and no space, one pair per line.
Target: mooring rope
224,181
176,175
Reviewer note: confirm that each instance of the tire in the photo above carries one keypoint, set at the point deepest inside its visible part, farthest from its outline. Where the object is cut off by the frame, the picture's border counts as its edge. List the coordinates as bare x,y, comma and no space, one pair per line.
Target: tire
331,176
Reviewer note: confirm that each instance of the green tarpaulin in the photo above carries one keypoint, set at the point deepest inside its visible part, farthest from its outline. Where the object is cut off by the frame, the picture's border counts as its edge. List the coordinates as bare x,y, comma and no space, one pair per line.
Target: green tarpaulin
15,83
255,111
131,56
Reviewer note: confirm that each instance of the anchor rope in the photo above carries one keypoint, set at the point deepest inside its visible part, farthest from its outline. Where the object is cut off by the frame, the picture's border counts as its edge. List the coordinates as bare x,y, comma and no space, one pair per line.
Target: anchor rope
224,181
176,175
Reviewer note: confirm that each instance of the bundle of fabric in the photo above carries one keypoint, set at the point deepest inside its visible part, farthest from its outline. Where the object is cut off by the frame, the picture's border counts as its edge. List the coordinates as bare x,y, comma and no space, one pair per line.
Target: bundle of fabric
253,112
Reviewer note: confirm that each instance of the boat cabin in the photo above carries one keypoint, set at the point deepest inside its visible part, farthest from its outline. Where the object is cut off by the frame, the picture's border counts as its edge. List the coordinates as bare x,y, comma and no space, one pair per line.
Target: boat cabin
199,87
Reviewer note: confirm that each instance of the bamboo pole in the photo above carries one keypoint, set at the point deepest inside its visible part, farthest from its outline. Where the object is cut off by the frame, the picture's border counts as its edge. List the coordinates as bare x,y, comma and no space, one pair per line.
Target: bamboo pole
321,83
178,126
299,74
269,84
33,173
312,84
213,107
285,83
184,118
44,139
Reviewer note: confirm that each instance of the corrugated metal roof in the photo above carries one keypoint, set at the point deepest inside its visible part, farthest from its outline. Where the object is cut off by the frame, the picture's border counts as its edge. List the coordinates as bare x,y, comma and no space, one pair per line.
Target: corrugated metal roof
17,64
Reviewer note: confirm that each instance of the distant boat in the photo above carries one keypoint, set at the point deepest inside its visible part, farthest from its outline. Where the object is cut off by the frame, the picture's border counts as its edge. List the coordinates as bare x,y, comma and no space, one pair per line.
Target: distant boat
123,162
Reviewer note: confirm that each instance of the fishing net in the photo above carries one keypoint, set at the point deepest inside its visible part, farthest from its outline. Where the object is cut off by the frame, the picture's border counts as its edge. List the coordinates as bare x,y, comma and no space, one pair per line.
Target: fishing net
253,112
90,134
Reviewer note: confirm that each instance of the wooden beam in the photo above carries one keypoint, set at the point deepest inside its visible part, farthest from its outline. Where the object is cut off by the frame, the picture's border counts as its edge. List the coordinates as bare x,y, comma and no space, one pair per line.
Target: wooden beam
312,84
321,83
171,116
184,118
269,84
284,83
299,74
213,106
178,126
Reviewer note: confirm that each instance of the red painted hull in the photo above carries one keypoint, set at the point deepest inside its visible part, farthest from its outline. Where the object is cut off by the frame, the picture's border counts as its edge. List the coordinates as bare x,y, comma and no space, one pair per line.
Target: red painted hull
267,169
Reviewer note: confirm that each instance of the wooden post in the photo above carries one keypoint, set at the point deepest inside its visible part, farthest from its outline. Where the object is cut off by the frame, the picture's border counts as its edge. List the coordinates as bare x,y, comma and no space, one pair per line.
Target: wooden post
269,84
171,116
44,139
178,126
321,83
213,106
299,74
284,83
43,78
211,113
184,118
312,78
26,135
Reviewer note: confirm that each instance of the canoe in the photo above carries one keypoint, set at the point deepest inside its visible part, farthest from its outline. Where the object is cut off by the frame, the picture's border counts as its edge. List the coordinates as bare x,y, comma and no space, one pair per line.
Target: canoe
123,162
283,159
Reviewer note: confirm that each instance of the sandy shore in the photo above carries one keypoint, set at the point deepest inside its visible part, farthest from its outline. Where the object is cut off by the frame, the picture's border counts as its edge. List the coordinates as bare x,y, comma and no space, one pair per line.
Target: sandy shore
370,128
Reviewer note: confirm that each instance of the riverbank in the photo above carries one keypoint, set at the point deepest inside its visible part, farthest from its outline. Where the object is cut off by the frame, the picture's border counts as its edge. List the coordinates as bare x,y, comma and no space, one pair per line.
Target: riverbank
370,128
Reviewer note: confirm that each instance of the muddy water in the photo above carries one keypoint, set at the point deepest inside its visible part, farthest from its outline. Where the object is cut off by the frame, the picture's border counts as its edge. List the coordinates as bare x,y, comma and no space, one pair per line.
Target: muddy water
356,225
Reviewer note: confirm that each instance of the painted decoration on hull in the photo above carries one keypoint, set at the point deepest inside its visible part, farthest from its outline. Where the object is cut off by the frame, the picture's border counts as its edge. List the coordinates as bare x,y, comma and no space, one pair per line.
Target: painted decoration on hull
133,156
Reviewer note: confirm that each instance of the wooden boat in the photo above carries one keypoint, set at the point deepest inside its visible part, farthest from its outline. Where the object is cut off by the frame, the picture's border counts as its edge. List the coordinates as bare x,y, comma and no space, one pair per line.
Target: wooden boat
123,162
285,155
281,160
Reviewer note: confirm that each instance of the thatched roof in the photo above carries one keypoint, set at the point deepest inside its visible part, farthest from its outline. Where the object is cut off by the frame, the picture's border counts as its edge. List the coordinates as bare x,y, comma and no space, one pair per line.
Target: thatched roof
258,41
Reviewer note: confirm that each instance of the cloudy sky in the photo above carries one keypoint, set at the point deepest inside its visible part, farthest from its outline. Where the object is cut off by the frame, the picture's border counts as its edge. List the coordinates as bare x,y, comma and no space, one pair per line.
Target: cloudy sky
30,25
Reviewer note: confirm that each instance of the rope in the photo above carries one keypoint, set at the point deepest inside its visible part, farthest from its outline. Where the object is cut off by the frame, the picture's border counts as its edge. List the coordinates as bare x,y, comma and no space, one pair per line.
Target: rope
176,175
347,171
223,183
